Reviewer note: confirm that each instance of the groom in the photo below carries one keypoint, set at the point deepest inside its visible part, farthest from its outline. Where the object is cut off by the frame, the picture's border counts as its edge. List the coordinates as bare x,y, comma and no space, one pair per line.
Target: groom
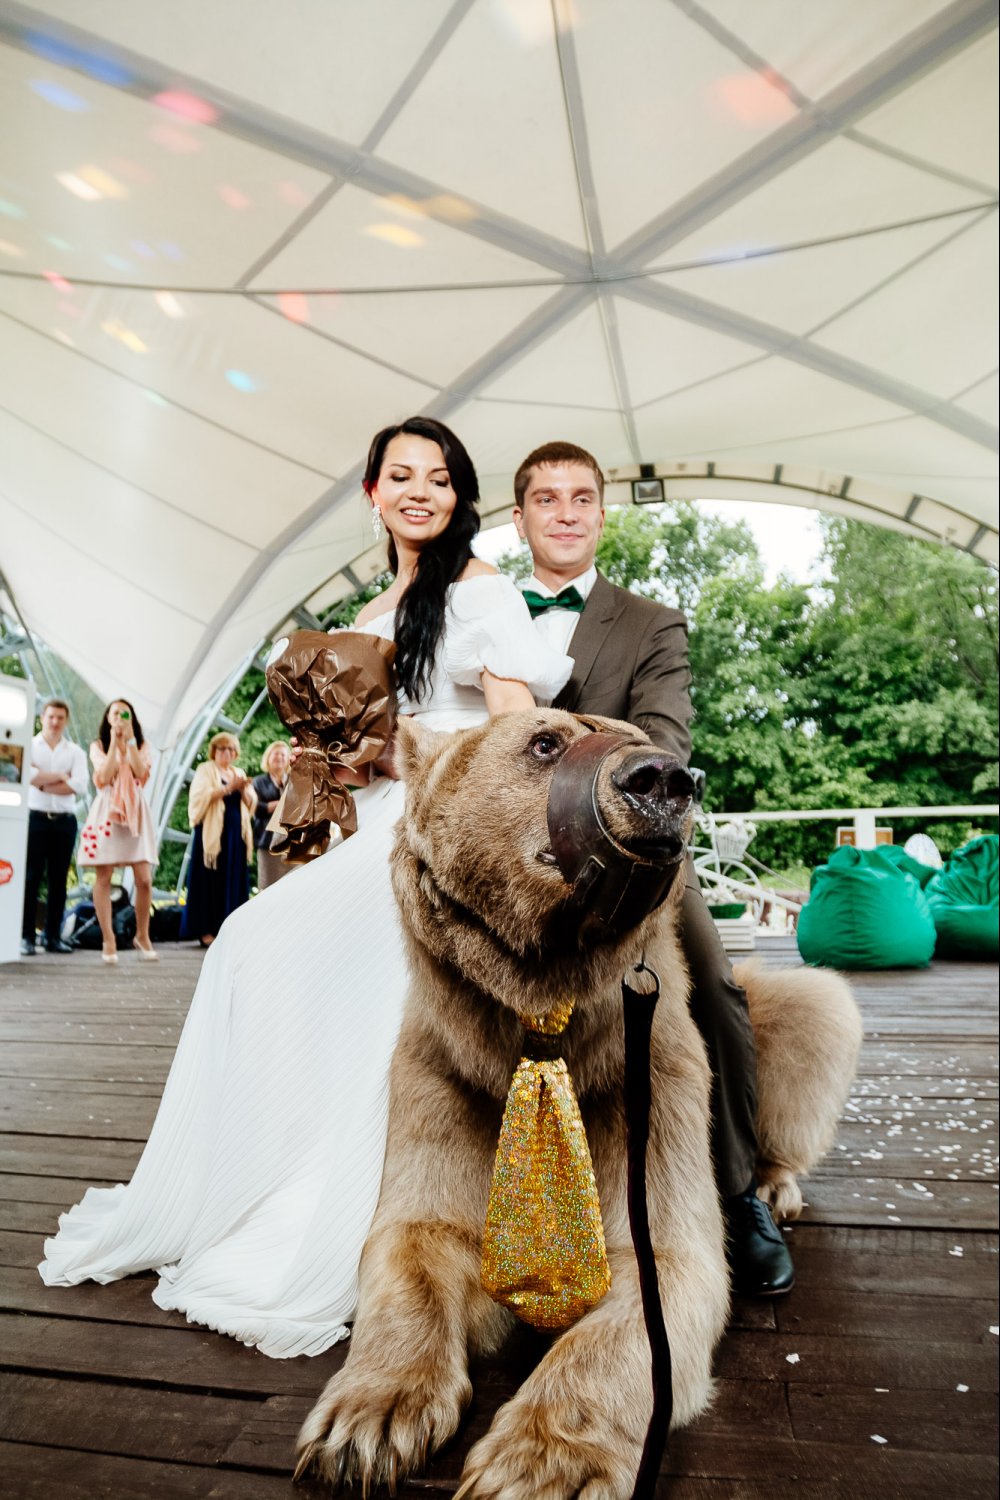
631,663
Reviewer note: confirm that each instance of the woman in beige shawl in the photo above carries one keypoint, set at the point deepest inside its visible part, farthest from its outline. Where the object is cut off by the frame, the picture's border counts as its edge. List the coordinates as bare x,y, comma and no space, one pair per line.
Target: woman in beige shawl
220,803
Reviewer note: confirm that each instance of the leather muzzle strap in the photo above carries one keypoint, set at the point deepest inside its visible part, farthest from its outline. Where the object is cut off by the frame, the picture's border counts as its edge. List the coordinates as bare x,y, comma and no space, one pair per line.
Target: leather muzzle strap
610,882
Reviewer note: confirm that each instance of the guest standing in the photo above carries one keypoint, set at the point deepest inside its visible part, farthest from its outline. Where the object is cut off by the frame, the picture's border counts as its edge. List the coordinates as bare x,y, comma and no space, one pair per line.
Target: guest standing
58,778
268,787
119,827
220,802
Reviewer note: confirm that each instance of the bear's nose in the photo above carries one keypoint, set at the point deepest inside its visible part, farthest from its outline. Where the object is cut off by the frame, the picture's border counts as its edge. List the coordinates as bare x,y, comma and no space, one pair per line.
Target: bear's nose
657,779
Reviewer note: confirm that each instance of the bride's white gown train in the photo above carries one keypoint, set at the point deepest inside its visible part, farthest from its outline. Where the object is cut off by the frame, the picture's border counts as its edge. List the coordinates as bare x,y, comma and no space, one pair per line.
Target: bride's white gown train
256,1189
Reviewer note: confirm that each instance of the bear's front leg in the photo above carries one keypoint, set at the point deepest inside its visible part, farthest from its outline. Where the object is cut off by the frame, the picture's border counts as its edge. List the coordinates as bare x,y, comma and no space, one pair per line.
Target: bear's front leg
577,1425
405,1383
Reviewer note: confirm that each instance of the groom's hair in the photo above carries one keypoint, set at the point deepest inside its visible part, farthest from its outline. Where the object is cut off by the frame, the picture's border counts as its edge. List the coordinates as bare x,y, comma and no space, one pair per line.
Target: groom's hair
555,453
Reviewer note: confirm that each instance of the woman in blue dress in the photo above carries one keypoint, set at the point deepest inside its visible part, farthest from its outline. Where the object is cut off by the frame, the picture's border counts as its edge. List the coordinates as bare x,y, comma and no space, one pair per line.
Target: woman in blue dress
220,804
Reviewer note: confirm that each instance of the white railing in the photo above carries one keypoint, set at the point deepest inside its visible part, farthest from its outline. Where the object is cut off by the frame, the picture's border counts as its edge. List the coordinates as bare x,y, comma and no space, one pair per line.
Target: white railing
865,819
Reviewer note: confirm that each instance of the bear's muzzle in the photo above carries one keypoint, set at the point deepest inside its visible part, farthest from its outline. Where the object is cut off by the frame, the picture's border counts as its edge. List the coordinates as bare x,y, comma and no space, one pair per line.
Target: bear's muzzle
618,817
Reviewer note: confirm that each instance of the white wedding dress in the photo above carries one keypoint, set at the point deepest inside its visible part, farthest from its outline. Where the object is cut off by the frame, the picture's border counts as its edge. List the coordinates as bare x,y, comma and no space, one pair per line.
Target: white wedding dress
256,1189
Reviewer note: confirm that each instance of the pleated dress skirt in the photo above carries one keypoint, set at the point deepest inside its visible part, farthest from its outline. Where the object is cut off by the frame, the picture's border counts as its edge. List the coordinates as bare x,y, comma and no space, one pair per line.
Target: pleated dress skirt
255,1192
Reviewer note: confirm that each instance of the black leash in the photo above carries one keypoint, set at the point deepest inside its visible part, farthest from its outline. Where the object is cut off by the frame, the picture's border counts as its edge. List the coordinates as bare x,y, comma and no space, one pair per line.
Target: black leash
638,1013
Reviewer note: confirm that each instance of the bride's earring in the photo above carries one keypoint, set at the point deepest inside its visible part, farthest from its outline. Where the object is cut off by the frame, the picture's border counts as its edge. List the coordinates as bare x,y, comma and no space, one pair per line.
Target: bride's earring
376,522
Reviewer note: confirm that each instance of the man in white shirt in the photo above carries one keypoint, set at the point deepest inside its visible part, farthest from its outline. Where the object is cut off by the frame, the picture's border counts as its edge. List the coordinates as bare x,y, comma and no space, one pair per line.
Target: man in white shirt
58,778
630,662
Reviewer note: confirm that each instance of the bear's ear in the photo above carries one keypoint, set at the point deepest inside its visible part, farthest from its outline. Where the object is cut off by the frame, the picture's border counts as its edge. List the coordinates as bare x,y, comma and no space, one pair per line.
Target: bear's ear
414,747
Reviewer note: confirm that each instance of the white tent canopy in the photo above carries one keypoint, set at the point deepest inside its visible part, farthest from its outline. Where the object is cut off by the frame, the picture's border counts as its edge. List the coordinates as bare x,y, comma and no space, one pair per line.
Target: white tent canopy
750,245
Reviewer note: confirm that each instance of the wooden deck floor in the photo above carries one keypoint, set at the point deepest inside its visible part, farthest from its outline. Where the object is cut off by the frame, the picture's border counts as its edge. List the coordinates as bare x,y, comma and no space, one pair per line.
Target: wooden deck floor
876,1378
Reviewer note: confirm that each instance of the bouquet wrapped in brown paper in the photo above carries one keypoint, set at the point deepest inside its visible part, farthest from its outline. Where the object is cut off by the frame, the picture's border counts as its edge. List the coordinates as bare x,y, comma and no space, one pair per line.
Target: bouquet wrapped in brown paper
337,696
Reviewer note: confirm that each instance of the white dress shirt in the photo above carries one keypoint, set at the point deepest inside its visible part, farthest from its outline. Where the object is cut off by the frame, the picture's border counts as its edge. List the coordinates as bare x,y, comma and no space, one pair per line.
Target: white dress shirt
71,764
556,626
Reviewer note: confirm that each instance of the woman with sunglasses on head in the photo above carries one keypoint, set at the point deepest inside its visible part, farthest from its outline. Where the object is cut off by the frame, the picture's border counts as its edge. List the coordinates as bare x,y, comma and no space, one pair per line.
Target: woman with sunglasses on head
119,826
255,1193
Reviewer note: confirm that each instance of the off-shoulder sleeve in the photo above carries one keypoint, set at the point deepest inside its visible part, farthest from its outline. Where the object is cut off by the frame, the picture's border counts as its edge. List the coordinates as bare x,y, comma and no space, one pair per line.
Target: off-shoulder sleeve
489,628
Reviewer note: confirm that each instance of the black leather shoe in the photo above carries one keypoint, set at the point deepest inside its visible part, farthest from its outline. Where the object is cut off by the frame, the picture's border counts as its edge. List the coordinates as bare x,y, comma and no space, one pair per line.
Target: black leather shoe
27,948
758,1256
58,946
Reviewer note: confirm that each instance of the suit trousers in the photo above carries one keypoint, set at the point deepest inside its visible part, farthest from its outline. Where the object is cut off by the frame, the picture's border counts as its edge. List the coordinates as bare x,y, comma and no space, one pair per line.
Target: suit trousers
51,840
719,1009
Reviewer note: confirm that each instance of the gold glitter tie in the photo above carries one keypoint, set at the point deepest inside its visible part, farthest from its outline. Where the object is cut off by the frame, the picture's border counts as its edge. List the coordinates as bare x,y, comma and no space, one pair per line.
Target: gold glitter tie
543,1243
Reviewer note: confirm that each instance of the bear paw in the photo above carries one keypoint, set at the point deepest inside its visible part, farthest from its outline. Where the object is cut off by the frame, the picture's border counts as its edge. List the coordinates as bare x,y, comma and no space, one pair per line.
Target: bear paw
778,1187
375,1427
541,1454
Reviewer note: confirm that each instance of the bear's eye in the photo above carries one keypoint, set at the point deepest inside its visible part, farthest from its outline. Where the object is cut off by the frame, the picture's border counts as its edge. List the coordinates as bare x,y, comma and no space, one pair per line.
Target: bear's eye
546,746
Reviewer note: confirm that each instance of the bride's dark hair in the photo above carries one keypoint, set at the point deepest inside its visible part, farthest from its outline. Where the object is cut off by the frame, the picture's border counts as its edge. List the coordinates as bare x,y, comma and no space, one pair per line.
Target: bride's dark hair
420,615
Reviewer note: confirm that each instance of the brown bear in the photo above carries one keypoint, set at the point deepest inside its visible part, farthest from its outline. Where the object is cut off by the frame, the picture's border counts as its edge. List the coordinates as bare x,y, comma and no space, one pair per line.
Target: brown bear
494,932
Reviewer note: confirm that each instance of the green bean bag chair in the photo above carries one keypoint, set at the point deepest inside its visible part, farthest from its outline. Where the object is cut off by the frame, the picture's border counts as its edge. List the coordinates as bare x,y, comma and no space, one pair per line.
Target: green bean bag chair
897,855
964,901
866,910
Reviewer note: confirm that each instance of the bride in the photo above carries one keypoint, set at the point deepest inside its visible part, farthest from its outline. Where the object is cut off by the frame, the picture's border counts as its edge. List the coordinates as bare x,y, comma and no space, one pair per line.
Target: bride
255,1191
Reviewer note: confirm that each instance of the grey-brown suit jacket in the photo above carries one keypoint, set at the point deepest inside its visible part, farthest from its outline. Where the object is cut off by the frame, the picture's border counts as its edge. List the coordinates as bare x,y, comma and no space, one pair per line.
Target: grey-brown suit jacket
631,662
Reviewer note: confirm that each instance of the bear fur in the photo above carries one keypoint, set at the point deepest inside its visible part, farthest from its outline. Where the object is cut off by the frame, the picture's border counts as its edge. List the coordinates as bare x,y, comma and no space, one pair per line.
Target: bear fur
491,930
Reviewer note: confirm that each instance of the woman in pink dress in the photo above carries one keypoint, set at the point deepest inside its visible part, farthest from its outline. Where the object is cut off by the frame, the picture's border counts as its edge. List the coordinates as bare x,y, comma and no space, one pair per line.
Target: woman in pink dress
119,826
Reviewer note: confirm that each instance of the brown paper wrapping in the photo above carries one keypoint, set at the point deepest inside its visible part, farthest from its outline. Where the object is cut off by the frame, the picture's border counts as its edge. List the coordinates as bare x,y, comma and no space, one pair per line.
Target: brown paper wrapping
337,695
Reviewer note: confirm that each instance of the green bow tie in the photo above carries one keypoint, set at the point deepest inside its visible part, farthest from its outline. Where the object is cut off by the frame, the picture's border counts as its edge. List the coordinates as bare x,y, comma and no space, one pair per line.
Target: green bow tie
568,598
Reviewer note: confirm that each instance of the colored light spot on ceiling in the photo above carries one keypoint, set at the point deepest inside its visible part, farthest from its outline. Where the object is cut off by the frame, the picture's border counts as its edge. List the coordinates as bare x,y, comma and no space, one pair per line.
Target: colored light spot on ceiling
59,282
241,381
11,210
441,206
232,197
753,98
187,106
62,98
118,330
396,234
140,248
154,397
118,262
169,305
528,24
447,206
173,138
399,203
6,248
76,185
295,306
170,250
57,242
102,182
70,309
63,338
294,195
105,69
